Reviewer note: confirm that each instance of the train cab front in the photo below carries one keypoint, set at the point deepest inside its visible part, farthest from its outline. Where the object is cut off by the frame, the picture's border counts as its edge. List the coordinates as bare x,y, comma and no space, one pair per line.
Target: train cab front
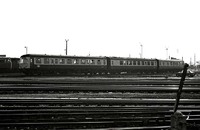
24,64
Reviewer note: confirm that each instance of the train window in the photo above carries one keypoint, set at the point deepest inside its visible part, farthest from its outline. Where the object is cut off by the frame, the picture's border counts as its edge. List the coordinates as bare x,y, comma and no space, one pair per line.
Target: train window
112,62
164,63
52,61
46,60
124,62
38,60
69,61
148,62
152,63
92,62
83,61
142,62
138,62
62,61
121,62
99,62
76,61
56,61
134,62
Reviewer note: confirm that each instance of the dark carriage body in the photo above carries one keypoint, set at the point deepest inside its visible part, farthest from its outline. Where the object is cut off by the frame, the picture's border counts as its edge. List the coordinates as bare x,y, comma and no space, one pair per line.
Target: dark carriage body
57,64
170,66
132,65
44,64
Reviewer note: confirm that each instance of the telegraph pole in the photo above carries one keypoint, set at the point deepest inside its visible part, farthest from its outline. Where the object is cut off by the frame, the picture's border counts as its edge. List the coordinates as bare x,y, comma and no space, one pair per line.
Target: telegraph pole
66,45
26,49
167,53
141,54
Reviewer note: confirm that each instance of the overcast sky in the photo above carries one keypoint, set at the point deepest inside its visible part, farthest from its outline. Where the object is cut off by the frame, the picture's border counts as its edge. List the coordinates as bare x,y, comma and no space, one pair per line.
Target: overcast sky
101,27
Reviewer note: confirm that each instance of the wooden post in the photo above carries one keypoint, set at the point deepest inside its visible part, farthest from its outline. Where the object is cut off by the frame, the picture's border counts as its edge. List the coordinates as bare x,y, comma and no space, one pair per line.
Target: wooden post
180,87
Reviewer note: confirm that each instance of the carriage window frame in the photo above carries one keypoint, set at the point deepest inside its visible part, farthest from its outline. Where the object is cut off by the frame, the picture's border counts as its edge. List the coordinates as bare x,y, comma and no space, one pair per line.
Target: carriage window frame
76,61
83,61
134,62
38,60
46,60
121,62
92,61
56,61
62,61
69,61
99,62
52,61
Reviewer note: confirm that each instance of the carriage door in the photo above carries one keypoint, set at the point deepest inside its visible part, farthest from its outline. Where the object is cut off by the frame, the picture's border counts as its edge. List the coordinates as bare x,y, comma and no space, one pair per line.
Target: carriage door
108,64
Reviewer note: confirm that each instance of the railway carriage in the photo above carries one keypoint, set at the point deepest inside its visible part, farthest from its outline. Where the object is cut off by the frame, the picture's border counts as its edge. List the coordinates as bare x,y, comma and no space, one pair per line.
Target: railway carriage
170,66
132,65
50,64
9,65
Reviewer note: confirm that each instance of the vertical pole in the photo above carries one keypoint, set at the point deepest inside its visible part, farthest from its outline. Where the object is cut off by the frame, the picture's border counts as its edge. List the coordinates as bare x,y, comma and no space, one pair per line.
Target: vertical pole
66,45
141,54
26,49
167,53
180,87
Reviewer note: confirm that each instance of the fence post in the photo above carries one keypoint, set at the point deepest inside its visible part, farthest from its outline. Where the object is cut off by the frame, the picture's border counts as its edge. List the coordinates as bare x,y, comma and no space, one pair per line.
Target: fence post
180,87
178,120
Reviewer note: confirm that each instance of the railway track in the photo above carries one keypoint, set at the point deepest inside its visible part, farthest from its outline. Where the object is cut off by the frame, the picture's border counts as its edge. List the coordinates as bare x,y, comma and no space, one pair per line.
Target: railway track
96,105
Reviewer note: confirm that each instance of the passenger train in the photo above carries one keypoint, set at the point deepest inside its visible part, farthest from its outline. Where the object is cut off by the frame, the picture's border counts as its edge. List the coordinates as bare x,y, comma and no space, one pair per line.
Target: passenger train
34,64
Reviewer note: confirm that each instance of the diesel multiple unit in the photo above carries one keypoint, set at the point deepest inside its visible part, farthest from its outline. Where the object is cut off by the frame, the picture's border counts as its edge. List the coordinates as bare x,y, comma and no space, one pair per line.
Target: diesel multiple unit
31,64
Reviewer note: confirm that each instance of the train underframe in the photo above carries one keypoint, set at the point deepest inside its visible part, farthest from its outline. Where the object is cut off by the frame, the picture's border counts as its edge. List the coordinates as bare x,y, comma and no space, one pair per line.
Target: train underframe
95,71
